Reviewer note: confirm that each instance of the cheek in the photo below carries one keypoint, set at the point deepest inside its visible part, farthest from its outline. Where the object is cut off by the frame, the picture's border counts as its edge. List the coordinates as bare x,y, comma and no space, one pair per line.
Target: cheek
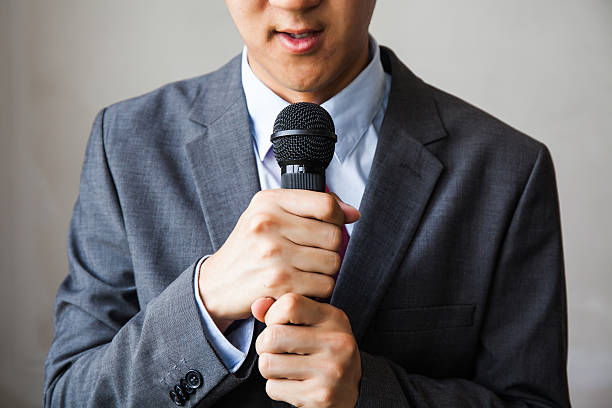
249,18
353,26
349,33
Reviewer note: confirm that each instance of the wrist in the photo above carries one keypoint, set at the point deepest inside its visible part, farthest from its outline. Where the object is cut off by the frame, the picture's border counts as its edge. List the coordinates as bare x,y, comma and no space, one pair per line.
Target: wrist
221,323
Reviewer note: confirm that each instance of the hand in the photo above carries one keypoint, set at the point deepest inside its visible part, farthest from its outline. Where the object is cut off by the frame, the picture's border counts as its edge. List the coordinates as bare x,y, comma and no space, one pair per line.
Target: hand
323,367
286,241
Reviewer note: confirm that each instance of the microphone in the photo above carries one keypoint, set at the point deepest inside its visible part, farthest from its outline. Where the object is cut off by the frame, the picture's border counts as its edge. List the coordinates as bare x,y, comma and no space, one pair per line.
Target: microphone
303,141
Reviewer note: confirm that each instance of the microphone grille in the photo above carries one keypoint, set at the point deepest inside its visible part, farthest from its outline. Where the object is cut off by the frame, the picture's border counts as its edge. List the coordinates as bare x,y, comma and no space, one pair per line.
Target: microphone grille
313,147
304,148
304,116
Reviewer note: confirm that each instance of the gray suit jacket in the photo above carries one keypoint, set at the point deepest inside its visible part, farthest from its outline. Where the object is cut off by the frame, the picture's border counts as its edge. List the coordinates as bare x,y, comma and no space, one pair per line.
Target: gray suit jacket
453,279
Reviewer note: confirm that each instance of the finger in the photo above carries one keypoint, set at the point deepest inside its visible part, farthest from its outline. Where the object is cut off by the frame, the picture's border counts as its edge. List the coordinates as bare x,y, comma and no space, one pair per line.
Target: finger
260,306
311,232
319,260
311,204
296,309
310,284
288,366
284,338
289,391
351,214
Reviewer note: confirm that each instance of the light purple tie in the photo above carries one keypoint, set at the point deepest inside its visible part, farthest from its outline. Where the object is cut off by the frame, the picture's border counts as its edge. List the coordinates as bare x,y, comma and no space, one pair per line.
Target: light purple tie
345,239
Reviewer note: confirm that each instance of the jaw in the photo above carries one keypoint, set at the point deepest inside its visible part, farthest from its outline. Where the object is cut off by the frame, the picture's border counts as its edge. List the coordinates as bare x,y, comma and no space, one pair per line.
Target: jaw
307,78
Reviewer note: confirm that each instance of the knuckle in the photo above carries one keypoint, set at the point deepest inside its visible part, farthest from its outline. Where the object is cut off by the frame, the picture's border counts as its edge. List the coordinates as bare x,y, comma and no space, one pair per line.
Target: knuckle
291,301
341,344
261,222
258,195
257,199
261,195
340,316
328,206
335,260
278,278
273,334
324,397
264,365
335,371
269,249
328,286
260,342
270,390
334,237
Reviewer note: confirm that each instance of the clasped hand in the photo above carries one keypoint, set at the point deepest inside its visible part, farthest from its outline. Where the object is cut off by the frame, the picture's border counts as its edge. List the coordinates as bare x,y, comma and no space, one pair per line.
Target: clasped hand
283,250
307,353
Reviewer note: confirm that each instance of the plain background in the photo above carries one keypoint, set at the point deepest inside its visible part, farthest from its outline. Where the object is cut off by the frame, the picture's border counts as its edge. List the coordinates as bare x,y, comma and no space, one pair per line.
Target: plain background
544,67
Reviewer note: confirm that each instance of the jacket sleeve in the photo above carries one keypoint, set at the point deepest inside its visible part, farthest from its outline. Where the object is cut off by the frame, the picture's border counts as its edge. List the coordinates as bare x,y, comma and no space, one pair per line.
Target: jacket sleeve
108,349
522,354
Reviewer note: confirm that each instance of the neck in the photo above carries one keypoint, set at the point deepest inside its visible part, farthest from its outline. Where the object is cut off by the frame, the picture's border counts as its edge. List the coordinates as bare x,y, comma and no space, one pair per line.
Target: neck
318,95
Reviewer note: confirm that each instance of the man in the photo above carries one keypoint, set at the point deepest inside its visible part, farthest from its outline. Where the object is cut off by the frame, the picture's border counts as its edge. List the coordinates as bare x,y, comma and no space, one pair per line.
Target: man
451,291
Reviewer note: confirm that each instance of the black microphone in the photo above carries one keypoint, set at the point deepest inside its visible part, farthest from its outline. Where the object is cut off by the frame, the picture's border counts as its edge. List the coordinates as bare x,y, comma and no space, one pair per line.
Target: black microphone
304,143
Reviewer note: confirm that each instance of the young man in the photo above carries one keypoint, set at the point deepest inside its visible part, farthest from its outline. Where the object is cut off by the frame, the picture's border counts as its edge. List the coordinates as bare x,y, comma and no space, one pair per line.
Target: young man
451,292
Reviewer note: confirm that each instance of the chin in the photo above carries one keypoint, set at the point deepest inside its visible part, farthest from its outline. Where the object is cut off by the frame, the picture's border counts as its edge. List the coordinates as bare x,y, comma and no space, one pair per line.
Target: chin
305,83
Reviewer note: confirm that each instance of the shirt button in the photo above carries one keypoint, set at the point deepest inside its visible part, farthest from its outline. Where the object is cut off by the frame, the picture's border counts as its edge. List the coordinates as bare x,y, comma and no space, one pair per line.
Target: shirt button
194,379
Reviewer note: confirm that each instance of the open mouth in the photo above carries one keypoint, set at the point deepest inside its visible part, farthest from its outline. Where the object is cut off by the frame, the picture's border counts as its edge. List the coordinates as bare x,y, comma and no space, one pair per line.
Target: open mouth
302,35
300,42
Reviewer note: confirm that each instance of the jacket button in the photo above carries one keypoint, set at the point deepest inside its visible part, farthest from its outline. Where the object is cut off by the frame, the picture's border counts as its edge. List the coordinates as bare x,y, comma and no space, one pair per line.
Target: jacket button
176,398
194,379
186,388
179,391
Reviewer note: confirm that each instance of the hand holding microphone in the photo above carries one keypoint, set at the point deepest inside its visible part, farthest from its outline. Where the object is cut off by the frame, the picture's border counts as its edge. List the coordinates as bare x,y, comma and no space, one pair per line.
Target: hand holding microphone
307,352
286,241
284,250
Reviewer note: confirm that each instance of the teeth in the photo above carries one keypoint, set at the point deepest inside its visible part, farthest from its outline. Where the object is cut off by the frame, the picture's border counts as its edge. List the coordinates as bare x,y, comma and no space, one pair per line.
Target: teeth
303,35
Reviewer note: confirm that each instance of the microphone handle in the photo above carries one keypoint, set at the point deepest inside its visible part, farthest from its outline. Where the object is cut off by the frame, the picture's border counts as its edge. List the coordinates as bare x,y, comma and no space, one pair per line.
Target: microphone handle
303,181
303,177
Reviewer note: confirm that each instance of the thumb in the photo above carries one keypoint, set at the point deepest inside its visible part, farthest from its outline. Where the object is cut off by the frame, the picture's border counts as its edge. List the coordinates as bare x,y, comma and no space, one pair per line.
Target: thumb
260,307
351,214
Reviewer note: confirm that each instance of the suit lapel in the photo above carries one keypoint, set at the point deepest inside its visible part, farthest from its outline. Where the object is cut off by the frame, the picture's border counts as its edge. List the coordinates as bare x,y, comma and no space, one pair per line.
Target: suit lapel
221,152
403,176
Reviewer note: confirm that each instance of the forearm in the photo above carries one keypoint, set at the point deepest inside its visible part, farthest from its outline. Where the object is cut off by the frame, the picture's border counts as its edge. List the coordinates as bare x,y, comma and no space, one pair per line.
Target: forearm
139,364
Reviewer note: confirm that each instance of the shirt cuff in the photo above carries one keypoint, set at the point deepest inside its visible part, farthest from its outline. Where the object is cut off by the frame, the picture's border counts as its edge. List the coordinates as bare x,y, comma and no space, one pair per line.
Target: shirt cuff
233,348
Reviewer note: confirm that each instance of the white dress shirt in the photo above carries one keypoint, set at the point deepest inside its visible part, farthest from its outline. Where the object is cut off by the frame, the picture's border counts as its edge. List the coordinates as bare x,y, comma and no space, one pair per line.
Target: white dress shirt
357,112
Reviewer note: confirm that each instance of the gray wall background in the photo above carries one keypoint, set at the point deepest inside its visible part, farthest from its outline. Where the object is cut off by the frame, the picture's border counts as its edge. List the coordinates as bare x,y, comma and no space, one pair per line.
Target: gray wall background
543,66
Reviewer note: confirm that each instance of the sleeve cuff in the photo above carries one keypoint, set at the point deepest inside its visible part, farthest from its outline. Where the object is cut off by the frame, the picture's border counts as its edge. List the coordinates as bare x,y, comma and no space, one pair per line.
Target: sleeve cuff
233,349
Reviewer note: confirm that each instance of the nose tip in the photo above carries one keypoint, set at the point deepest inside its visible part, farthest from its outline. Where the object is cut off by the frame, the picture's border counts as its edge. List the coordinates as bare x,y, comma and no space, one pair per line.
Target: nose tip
294,5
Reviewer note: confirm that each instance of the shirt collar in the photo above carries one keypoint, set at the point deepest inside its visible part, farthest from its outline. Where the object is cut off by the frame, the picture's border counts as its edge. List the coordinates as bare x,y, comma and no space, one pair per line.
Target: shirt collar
353,109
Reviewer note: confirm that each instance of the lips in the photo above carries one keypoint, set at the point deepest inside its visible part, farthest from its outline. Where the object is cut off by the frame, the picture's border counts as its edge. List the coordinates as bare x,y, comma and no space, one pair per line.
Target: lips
299,41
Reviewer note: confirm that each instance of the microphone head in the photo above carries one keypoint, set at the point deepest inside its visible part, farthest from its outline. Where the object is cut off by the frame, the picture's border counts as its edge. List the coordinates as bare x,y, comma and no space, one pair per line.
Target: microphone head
304,134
